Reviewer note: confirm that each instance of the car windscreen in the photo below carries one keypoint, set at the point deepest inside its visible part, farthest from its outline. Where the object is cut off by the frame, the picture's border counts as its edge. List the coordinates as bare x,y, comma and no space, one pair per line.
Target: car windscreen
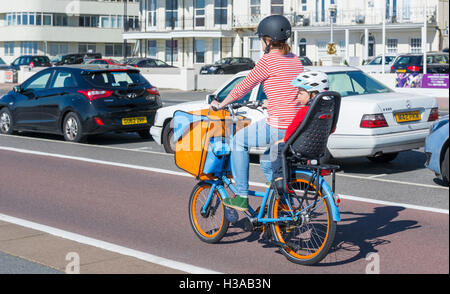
223,61
353,83
409,60
41,59
1,61
115,79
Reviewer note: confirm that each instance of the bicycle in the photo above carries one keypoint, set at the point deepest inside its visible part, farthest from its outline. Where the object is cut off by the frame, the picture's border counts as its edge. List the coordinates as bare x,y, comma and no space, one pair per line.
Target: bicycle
301,221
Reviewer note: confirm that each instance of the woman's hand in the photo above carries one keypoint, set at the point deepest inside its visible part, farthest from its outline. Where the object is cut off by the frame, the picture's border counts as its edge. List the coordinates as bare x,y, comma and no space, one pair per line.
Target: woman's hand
265,104
215,105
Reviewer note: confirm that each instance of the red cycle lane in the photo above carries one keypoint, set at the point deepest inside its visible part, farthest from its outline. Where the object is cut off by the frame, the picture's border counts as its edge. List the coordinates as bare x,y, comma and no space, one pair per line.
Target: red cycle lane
148,211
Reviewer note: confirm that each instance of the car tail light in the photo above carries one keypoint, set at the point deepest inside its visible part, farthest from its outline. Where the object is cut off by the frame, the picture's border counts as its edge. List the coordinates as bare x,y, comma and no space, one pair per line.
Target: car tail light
413,68
392,68
373,121
153,91
99,121
434,114
95,94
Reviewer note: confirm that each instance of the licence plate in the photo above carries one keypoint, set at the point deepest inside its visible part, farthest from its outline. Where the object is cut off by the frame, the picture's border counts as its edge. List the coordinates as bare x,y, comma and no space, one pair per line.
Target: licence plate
204,72
134,121
408,116
401,70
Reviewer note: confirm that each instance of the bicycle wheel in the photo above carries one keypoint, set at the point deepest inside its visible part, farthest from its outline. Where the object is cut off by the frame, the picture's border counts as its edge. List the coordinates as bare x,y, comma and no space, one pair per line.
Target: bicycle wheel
209,225
307,240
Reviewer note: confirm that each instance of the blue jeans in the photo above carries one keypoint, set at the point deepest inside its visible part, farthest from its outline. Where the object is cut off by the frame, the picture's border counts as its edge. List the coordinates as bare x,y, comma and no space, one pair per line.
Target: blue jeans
259,134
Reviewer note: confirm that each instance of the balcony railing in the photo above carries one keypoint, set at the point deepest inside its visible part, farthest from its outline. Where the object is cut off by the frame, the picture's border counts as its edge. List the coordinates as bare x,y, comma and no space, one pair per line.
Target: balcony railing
345,17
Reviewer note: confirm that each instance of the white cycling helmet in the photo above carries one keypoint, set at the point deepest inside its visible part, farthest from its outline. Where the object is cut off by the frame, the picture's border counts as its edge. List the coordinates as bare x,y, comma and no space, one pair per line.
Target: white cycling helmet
312,81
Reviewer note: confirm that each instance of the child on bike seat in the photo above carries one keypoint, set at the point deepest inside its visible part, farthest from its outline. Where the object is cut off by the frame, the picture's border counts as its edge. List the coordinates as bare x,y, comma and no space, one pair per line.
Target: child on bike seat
309,84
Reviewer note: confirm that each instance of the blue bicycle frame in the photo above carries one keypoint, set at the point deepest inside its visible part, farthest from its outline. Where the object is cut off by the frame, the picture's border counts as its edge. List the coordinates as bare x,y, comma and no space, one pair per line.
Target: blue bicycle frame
325,188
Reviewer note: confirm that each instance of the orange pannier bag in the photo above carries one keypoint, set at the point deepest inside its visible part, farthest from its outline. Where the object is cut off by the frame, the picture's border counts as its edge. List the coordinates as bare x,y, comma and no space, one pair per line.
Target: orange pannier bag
202,142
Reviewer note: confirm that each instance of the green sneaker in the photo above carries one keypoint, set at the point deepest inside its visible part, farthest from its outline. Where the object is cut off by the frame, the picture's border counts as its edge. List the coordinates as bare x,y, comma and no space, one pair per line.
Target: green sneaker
239,203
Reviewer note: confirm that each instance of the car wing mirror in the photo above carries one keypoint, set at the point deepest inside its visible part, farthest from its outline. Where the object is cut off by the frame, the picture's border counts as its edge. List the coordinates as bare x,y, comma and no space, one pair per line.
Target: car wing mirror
17,89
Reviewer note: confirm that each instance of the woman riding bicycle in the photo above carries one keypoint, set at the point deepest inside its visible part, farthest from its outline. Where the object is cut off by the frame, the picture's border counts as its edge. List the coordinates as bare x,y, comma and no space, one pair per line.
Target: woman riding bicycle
275,70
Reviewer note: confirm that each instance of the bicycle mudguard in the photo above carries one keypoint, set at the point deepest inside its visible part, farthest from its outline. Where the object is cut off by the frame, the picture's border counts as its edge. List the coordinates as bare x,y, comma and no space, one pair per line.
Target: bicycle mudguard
329,193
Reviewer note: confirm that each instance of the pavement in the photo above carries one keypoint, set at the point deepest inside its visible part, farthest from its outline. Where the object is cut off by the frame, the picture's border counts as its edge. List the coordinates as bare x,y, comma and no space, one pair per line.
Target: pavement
29,251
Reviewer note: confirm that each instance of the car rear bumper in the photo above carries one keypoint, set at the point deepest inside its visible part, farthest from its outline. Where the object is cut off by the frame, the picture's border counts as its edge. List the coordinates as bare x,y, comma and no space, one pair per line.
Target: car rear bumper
112,121
345,146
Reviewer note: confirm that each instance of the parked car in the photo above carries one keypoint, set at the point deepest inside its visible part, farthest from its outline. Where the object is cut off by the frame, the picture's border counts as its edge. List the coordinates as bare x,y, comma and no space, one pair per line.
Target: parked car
376,64
230,65
75,58
105,61
436,149
145,62
30,60
3,64
80,100
306,61
374,122
413,63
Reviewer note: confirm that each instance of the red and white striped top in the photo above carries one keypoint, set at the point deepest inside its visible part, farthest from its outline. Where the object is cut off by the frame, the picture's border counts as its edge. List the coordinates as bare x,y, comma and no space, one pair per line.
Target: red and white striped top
276,72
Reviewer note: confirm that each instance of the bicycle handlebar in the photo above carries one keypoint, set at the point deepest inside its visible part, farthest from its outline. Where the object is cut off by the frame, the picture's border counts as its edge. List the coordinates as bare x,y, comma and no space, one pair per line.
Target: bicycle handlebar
249,104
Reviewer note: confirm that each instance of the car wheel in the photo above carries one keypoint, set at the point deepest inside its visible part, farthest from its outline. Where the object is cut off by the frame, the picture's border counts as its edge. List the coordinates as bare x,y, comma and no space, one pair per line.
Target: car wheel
383,158
167,139
220,72
444,168
6,122
145,134
72,129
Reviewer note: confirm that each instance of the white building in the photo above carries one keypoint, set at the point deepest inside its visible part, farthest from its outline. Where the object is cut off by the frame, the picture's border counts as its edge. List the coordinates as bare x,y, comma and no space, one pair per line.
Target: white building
52,27
190,33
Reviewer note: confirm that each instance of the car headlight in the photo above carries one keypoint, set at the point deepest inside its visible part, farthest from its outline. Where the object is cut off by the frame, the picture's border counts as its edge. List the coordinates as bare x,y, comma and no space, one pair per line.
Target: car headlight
214,68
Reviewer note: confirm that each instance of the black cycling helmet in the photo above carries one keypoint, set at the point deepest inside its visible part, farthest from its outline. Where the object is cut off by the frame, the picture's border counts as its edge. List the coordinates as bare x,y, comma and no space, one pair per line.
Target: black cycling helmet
277,27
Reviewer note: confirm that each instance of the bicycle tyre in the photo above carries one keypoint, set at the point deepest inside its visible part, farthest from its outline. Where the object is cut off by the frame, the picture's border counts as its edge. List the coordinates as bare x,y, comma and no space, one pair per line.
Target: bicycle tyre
311,249
212,226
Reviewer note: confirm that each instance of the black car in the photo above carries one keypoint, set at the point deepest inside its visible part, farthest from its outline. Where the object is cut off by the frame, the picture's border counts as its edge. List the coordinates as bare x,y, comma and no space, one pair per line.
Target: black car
75,58
146,62
231,65
3,64
30,60
413,63
306,61
80,100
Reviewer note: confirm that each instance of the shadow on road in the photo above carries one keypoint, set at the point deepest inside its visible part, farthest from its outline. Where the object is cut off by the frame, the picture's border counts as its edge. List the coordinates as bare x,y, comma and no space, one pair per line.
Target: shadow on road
358,234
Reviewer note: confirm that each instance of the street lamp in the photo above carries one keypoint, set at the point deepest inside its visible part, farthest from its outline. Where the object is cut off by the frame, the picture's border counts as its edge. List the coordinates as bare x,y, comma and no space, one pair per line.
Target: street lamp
331,50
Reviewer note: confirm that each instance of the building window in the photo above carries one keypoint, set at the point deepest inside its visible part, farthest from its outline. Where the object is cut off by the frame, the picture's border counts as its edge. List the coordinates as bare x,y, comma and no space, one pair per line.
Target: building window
406,9
216,50
28,47
199,13
171,50
416,45
151,8
255,8
277,7
58,48
199,51
255,49
220,12
321,48
9,48
392,46
304,5
61,20
114,50
47,19
171,13
86,48
152,49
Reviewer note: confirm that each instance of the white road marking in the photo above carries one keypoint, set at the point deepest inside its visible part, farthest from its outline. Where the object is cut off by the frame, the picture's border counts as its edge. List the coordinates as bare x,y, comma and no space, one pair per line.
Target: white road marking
191,269
183,174
142,150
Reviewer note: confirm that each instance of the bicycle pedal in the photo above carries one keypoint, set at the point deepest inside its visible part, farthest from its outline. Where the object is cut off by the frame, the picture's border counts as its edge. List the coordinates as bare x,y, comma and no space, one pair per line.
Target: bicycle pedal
250,225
